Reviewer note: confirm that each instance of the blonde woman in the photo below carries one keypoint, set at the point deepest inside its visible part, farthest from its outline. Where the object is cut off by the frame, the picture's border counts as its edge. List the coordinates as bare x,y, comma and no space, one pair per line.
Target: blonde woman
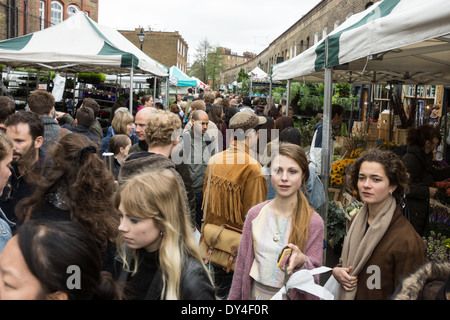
159,255
286,221
119,145
122,123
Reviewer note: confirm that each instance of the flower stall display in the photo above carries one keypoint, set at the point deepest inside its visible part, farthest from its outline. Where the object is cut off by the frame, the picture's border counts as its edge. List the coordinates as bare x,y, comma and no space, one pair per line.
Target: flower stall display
338,168
443,192
438,247
438,220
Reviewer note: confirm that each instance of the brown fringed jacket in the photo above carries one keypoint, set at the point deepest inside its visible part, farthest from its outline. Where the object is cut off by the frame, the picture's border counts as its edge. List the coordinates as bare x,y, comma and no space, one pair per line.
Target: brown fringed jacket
237,184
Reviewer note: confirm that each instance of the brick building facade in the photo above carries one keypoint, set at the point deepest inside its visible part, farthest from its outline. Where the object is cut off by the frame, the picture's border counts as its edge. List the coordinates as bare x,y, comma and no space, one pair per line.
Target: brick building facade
21,17
168,48
231,59
311,28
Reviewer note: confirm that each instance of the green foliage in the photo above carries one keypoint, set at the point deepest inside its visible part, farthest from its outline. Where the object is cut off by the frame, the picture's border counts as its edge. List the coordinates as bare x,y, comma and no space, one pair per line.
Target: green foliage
278,93
242,75
336,225
306,128
342,89
92,77
313,102
349,103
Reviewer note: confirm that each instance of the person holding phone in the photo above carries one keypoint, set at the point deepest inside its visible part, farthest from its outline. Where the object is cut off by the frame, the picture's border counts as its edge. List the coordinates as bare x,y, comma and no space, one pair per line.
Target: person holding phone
286,223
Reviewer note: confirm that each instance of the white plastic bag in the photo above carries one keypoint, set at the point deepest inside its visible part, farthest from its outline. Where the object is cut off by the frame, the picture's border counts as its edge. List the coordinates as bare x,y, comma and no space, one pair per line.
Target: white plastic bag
332,286
304,280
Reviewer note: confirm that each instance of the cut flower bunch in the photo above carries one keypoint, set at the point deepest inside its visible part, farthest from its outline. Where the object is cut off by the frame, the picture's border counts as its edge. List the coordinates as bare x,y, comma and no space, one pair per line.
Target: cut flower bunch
338,168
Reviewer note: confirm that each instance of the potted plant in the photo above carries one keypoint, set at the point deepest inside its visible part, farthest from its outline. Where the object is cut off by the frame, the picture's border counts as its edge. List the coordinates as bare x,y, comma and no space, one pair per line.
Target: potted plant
336,227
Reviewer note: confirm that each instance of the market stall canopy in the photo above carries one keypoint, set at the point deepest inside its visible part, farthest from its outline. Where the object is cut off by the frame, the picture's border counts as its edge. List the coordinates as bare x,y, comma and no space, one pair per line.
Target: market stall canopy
78,44
257,73
183,79
399,41
200,83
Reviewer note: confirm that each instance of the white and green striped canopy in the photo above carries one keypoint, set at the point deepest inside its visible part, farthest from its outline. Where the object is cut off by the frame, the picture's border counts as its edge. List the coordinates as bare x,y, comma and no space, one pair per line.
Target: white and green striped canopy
393,40
78,44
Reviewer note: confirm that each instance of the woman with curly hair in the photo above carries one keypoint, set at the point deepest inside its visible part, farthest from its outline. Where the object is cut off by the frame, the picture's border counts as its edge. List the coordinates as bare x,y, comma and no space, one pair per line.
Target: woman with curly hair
160,258
77,186
381,246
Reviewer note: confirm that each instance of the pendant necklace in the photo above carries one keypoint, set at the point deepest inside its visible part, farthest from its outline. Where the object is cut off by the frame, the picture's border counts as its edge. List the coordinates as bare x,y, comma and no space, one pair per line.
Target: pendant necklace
276,237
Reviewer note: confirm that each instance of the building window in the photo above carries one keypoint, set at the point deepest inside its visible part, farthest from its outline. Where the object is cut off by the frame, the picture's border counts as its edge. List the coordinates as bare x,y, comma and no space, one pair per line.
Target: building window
57,13
336,24
72,10
41,15
324,32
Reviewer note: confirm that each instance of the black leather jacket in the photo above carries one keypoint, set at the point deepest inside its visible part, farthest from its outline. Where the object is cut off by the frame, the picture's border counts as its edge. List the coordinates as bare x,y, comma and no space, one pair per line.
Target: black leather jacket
195,283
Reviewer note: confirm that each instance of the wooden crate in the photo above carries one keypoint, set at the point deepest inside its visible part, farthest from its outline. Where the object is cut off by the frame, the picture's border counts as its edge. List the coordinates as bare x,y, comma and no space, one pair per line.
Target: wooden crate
383,131
373,132
384,118
400,136
359,126
335,194
345,145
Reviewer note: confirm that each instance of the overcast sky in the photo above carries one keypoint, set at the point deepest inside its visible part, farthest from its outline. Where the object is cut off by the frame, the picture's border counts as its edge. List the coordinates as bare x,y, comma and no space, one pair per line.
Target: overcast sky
240,25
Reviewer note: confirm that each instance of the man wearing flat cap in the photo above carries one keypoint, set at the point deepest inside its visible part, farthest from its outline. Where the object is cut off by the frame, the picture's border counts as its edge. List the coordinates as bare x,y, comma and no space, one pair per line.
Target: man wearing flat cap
236,182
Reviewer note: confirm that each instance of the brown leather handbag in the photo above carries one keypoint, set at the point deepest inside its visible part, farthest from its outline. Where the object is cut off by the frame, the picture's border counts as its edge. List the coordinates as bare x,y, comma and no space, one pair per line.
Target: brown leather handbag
219,245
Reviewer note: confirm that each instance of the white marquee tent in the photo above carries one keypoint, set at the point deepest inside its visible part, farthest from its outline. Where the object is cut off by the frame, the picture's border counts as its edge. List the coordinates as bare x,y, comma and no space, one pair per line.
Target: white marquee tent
393,41
79,44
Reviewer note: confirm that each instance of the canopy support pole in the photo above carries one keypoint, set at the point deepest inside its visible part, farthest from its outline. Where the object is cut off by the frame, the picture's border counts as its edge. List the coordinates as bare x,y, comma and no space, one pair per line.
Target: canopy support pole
288,96
270,92
166,98
326,134
327,148
130,103
154,89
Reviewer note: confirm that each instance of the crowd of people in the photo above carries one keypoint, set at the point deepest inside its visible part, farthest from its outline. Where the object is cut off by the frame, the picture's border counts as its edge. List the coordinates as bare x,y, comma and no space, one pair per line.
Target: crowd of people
132,230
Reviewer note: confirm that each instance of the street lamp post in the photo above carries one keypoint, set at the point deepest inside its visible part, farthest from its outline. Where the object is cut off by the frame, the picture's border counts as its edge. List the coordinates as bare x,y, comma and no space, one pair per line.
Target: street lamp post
141,36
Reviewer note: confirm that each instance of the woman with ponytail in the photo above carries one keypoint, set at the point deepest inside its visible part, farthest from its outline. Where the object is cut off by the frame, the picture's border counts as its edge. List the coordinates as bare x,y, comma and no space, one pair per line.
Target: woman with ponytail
54,260
160,257
77,187
287,220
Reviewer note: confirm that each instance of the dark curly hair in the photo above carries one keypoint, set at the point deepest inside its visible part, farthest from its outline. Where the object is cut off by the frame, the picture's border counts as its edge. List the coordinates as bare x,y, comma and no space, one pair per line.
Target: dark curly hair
88,185
420,135
394,169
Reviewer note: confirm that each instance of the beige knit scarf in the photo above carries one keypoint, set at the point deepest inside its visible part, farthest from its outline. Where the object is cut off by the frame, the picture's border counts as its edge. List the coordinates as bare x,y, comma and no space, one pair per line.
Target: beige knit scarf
359,245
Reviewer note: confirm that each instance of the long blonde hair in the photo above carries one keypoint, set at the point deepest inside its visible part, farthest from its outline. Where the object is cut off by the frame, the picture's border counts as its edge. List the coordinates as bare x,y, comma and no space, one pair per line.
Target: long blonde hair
302,212
157,195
